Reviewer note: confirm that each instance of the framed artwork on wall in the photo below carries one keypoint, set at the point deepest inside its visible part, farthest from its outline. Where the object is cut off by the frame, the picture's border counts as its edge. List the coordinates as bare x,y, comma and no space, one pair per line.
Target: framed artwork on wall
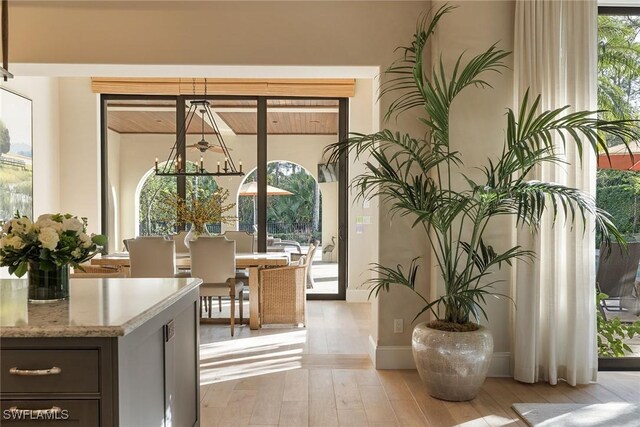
16,155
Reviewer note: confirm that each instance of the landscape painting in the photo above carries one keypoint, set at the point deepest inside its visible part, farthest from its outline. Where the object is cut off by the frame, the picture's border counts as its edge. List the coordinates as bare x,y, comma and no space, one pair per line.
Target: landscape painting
16,155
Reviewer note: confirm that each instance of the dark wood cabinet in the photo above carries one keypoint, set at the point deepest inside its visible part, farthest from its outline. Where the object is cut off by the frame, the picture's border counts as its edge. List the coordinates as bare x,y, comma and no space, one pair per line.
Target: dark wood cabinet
148,377
63,413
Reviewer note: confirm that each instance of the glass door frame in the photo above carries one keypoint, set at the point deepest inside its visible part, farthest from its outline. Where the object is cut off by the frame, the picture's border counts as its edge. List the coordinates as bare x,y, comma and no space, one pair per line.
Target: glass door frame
618,363
261,157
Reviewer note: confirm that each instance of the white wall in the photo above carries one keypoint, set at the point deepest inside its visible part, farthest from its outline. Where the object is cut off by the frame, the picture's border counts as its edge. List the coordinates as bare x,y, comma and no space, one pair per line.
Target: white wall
80,150
364,113
113,166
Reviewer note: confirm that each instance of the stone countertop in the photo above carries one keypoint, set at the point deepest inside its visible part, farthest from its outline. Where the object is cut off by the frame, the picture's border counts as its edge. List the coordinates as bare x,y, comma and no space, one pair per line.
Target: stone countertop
95,308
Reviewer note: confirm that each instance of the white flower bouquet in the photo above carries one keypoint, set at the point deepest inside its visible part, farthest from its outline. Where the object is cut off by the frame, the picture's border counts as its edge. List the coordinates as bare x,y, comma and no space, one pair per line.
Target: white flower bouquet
53,241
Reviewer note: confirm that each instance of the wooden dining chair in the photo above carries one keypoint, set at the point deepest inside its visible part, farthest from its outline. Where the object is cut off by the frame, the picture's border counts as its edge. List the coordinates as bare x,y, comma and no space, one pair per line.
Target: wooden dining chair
213,259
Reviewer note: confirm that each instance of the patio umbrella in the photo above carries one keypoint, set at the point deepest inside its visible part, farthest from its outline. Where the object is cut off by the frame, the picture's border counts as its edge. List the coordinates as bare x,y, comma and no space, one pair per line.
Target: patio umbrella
620,159
251,189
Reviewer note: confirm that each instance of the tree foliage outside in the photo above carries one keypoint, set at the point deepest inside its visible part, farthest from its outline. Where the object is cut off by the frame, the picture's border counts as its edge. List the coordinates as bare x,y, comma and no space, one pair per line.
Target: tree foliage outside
613,333
619,98
153,218
618,66
295,217
618,192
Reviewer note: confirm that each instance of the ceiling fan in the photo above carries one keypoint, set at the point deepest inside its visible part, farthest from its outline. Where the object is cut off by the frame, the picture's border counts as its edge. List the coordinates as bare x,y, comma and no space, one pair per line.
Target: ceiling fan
203,145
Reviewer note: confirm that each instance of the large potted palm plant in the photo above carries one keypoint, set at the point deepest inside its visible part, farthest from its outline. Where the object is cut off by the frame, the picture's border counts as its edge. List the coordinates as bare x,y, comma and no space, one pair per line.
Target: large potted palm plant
413,177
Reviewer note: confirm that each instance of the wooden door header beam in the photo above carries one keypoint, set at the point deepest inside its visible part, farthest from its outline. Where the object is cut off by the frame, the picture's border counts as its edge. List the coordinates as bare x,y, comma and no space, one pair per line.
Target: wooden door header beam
331,88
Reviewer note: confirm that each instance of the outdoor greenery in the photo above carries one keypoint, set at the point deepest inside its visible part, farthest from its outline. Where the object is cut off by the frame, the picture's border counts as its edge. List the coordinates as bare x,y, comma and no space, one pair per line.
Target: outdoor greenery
618,66
618,97
618,192
296,217
612,333
414,176
154,220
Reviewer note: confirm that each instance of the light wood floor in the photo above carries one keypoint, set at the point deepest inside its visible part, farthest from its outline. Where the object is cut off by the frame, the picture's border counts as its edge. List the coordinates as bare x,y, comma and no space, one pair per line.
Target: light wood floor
321,376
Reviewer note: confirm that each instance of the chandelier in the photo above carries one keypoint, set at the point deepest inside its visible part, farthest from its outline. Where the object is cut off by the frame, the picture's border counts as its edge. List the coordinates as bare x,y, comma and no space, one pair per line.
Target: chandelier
177,166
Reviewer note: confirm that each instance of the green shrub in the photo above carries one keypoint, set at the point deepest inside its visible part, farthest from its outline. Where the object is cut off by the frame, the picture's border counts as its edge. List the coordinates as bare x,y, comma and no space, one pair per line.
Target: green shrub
612,333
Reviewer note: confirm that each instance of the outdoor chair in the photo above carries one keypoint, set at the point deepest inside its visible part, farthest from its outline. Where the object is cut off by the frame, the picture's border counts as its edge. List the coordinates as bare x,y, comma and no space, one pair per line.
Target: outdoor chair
616,277
213,259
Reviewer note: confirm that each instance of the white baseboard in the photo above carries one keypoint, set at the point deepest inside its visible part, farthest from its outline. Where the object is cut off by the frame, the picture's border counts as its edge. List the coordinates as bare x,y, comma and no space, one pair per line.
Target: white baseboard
401,357
391,356
500,365
358,295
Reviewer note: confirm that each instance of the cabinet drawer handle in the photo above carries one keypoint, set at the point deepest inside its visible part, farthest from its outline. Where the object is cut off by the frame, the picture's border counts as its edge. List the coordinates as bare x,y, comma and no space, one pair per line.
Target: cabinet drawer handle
35,372
38,412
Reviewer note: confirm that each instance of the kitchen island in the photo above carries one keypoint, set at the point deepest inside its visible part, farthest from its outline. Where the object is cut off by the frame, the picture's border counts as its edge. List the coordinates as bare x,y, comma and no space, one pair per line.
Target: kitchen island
119,352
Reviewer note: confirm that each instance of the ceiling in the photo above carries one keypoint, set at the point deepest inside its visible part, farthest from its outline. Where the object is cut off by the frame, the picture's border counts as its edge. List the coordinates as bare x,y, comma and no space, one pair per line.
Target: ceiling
239,117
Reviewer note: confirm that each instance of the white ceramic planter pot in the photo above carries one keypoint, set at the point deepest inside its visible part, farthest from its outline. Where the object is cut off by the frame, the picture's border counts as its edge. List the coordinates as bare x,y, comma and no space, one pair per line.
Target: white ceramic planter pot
452,365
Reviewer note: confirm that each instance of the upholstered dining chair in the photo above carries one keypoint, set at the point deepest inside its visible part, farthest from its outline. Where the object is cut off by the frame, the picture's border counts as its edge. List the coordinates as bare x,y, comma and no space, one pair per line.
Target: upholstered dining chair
152,257
213,259
244,240
245,243
179,240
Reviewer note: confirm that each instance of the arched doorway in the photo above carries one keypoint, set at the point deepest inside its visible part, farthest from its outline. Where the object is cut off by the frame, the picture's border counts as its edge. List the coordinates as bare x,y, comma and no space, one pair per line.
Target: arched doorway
299,213
293,214
152,219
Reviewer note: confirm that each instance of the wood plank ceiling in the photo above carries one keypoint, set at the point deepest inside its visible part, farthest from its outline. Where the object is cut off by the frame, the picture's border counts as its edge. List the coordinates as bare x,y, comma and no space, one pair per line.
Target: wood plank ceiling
284,117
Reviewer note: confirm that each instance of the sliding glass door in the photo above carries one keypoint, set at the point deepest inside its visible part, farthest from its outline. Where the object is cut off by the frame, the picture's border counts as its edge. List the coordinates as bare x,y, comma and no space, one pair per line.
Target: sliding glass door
291,198
618,190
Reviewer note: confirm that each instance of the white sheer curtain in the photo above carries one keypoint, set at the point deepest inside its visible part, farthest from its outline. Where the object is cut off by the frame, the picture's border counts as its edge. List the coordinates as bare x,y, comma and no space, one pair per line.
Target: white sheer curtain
555,55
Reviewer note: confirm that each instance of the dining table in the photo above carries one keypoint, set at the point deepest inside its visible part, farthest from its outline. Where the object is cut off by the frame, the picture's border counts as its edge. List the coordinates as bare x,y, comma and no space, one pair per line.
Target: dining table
252,262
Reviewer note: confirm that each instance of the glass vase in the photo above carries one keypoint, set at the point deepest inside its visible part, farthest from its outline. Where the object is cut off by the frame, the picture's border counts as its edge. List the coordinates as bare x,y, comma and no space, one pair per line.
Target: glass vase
194,233
49,285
